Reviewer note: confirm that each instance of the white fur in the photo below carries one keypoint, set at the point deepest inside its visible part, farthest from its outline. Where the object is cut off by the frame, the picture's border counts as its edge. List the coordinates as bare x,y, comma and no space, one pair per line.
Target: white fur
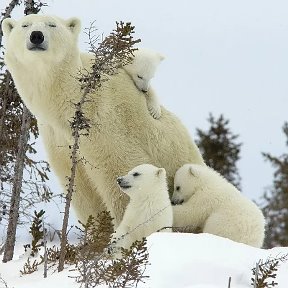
215,206
142,70
149,208
122,134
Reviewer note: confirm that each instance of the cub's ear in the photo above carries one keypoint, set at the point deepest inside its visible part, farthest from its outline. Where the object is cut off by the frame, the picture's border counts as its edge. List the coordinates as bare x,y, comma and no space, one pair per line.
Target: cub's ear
192,172
7,25
74,24
160,171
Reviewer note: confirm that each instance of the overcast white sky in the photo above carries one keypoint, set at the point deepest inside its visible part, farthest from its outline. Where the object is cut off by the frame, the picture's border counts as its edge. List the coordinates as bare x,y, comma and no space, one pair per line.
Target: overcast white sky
222,56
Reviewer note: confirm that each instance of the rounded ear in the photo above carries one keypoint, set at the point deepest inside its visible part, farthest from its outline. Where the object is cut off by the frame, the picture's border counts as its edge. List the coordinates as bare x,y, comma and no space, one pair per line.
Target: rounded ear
74,24
192,172
160,171
7,25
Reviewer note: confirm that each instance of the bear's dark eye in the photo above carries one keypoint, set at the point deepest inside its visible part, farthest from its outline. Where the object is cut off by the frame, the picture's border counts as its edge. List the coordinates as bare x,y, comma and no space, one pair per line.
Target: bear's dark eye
25,25
177,188
136,174
140,77
52,25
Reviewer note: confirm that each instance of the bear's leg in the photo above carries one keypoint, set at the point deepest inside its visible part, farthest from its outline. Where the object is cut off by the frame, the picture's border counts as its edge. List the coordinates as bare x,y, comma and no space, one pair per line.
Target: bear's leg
153,104
85,200
223,225
186,219
237,227
116,202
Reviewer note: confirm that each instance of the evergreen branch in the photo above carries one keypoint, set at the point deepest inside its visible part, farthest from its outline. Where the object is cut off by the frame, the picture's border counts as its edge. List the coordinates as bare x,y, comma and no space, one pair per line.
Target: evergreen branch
265,272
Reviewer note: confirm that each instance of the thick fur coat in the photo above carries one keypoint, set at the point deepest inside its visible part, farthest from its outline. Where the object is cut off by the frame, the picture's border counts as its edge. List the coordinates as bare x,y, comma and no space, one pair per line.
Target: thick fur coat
122,135
209,202
149,209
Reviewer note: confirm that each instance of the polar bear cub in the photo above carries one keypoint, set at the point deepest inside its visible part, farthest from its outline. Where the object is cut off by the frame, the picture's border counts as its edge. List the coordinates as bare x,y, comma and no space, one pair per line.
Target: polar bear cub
142,70
149,208
211,203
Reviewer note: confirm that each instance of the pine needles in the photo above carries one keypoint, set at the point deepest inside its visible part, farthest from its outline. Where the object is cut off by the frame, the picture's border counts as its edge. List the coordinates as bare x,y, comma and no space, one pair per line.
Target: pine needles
264,274
94,263
114,51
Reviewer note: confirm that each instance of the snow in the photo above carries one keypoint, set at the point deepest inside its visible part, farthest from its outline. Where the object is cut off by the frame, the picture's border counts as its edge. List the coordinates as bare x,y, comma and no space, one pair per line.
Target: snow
177,260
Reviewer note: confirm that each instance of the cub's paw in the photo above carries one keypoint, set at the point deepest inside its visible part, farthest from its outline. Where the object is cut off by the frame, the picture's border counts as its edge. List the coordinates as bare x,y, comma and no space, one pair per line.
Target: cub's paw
155,111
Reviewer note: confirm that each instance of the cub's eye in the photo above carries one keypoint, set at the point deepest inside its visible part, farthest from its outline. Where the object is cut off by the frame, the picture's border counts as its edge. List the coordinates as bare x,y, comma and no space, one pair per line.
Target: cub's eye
25,25
177,188
140,77
136,174
51,25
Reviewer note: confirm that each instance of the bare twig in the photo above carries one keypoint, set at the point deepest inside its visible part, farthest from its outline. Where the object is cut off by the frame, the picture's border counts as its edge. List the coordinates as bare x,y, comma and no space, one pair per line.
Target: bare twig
45,258
256,274
229,282
2,281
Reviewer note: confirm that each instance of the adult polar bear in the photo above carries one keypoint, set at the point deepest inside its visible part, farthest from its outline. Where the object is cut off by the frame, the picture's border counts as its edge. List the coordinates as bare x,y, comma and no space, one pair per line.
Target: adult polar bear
43,57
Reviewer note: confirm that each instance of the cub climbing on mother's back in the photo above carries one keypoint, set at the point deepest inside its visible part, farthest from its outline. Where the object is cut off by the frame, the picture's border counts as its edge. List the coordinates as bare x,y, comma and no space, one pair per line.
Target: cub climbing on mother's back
142,69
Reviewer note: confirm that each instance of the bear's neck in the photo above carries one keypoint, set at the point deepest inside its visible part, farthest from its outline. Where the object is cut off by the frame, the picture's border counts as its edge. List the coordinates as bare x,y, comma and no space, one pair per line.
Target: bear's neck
48,90
152,198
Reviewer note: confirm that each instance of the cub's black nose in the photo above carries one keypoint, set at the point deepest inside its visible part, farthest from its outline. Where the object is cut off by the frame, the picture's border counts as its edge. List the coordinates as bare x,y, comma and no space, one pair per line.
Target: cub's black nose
119,180
177,202
36,37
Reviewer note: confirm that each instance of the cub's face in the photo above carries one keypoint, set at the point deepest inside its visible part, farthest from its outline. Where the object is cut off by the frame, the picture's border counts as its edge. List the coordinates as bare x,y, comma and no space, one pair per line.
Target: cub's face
186,183
143,74
37,36
142,179
143,67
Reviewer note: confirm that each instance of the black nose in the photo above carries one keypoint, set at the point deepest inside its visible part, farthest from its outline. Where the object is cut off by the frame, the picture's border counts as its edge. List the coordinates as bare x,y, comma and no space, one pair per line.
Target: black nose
177,202
36,37
119,180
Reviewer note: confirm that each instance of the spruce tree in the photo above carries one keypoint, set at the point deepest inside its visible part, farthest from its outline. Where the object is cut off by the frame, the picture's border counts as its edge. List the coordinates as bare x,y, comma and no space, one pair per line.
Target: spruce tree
17,128
275,207
219,148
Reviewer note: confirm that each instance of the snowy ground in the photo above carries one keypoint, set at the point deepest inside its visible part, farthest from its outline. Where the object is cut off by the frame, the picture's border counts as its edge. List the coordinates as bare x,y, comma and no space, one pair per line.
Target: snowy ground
177,261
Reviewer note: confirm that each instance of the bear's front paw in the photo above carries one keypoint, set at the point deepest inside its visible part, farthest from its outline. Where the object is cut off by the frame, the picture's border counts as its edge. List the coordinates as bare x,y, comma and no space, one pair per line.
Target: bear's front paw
155,111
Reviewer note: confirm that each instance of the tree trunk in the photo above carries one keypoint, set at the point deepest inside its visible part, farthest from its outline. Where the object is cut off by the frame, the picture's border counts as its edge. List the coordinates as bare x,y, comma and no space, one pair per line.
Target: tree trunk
17,186
45,249
70,190
3,112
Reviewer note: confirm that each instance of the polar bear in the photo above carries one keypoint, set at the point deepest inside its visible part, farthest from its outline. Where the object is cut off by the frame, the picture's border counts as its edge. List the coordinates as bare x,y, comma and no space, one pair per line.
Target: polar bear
43,57
142,69
149,209
209,202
